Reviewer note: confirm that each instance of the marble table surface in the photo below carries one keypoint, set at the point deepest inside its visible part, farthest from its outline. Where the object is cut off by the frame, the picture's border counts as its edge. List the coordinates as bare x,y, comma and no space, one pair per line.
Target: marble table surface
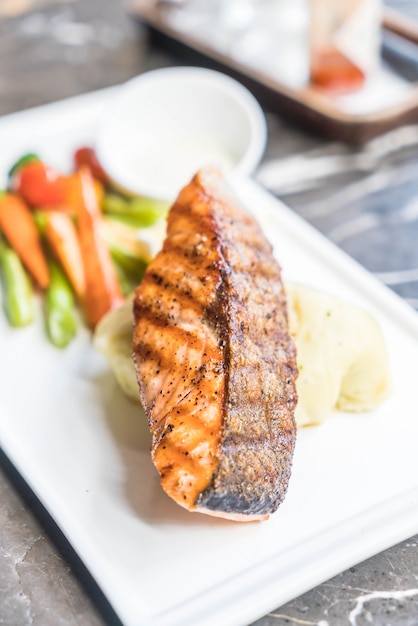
52,49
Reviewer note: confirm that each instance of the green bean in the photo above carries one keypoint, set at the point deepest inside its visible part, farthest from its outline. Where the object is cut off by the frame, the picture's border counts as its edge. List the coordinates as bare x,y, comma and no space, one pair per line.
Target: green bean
59,308
113,203
130,263
41,221
126,281
126,249
138,212
18,298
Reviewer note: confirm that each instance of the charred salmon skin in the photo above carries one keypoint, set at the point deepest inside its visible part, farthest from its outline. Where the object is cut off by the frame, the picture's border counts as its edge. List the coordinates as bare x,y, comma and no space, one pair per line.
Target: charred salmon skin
215,365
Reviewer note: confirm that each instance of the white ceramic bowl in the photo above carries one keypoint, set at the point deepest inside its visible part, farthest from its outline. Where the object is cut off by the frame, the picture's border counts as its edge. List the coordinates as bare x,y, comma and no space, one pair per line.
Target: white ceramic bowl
162,126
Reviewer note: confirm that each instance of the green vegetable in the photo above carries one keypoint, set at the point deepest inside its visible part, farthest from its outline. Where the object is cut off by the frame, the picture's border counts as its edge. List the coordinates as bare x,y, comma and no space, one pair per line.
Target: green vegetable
130,255
59,308
137,212
128,280
124,245
41,221
131,264
26,158
113,203
18,298
124,282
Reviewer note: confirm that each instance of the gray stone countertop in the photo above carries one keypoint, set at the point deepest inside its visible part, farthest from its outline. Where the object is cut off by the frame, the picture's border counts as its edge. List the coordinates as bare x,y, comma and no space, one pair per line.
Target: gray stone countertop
52,49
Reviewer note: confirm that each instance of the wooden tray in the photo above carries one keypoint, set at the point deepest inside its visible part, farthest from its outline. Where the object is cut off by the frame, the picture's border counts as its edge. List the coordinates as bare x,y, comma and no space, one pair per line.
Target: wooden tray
318,111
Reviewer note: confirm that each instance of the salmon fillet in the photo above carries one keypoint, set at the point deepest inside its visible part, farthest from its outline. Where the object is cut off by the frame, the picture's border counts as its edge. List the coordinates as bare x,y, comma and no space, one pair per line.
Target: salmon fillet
215,365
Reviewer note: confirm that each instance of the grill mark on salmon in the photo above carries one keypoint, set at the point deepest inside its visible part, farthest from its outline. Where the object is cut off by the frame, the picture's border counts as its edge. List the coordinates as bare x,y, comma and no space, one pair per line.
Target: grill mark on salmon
216,367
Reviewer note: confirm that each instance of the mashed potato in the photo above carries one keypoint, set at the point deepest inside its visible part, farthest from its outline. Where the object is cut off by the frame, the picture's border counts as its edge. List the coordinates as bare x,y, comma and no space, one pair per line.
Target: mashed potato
341,354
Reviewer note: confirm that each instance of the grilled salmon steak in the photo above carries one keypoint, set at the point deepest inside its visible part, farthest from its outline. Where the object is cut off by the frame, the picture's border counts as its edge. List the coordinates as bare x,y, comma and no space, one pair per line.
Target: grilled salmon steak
215,365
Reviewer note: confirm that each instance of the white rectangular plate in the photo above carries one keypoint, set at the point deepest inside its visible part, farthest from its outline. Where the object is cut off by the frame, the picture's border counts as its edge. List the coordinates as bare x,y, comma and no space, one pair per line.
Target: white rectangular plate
83,448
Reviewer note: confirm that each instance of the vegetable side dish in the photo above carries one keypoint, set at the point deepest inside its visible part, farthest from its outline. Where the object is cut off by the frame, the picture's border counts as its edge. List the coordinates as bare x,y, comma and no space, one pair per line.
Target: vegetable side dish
72,238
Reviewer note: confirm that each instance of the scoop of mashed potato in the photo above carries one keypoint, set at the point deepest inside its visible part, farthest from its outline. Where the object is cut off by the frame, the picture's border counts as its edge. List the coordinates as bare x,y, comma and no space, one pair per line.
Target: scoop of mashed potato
341,354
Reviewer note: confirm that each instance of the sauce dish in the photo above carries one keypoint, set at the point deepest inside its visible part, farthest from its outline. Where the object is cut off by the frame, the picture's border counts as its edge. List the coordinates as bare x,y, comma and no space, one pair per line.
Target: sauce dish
163,125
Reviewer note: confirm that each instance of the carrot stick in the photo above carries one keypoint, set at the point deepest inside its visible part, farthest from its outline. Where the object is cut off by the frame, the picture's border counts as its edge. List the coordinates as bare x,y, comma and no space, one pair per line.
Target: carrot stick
18,225
74,192
103,291
61,235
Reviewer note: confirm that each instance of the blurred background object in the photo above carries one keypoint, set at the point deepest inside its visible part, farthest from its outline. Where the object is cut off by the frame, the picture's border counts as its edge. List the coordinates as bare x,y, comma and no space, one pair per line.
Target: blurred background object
9,8
344,42
266,44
